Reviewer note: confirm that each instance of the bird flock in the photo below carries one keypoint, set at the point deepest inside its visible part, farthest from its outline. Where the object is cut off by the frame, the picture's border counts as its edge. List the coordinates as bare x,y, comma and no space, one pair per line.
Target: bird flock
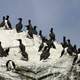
66,44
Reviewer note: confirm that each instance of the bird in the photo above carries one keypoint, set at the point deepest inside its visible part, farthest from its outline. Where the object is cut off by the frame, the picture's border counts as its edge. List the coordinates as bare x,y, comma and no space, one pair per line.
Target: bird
6,52
41,46
45,54
8,23
22,48
2,24
10,65
19,25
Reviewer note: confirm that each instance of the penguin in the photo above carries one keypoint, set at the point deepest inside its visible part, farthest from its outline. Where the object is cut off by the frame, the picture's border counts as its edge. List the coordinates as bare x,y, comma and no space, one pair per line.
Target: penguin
8,23
10,65
51,34
22,48
2,24
19,25
45,54
35,31
41,46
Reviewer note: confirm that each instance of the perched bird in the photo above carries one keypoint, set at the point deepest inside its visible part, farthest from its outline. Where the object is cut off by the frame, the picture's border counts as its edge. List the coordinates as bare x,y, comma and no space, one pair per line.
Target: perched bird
62,53
8,23
29,25
19,25
52,35
22,48
70,48
45,54
35,31
1,50
30,29
41,46
2,24
10,65
64,43
6,52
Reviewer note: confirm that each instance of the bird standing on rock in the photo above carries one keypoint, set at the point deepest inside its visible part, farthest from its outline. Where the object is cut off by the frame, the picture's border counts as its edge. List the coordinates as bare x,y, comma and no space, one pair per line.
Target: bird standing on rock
22,48
19,25
2,24
8,23
45,54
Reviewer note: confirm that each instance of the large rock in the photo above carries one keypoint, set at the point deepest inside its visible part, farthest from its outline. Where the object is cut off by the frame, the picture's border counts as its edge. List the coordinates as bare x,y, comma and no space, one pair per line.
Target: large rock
54,68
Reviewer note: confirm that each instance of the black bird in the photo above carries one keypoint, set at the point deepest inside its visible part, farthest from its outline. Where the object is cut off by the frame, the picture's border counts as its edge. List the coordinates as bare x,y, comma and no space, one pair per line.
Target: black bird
40,34
50,43
35,31
78,50
70,48
1,50
64,43
52,35
45,54
30,32
22,48
30,29
43,38
19,25
29,24
8,26
41,46
62,53
3,53
2,24
10,65
6,52
75,49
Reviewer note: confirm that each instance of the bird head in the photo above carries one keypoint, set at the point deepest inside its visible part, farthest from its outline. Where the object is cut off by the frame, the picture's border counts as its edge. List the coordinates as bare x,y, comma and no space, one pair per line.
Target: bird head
19,40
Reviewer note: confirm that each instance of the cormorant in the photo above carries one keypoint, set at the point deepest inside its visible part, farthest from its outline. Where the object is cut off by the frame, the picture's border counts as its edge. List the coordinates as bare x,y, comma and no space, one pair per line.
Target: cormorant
19,25
50,43
22,48
3,53
10,65
29,24
8,23
34,30
40,34
41,46
70,48
6,52
30,29
75,49
1,50
45,54
64,44
2,24
52,35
